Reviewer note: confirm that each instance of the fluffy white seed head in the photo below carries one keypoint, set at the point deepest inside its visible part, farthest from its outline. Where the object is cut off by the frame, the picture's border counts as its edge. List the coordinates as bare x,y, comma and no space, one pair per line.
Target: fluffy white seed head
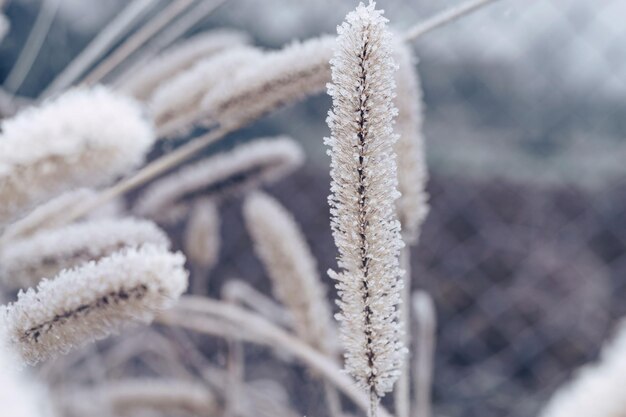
175,105
597,389
84,138
92,301
177,58
24,262
412,172
291,266
284,76
202,235
224,175
364,181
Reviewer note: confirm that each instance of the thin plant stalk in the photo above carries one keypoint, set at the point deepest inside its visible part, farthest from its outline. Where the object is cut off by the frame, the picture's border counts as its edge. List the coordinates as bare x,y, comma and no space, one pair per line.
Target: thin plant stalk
235,371
443,18
425,341
33,45
255,329
99,45
138,39
247,296
169,36
141,343
333,401
148,172
186,22
402,399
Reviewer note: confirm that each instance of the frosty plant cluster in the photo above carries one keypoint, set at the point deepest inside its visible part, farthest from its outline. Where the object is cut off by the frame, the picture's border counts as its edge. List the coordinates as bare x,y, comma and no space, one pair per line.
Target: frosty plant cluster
89,219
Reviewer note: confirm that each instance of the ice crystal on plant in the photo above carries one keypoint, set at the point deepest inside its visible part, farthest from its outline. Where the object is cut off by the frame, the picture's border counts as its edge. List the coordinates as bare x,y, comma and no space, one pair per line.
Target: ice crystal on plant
364,181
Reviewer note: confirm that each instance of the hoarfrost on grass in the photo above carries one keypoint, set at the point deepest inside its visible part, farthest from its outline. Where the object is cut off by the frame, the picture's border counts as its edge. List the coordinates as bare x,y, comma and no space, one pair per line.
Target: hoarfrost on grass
223,175
93,301
144,82
363,212
292,268
84,138
24,262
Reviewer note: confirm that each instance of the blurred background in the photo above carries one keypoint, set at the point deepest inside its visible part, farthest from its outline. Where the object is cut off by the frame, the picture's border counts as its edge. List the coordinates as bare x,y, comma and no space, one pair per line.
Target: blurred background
524,247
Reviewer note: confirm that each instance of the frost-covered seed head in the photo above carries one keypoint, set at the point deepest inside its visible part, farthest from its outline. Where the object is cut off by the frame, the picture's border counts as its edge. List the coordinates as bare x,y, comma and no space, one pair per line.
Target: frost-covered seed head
291,266
202,235
177,58
175,105
281,77
92,301
364,181
220,176
412,172
24,262
84,138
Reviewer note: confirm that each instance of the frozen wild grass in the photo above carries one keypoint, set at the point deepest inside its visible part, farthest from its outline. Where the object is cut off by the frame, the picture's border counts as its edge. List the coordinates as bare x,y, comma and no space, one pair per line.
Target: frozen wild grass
66,143
220,176
290,74
178,58
24,262
92,301
96,277
411,160
364,181
412,205
292,268
175,105
596,389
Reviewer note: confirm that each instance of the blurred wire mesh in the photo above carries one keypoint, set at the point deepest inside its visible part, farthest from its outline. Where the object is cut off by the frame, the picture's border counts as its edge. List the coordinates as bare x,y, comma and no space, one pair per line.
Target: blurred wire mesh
523,249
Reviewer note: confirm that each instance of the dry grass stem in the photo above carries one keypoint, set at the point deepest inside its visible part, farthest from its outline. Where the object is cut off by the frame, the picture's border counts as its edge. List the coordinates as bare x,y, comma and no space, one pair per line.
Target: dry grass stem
138,39
444,18
128,396
99,45
34,42
44,216
250,327
424,341
237,291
